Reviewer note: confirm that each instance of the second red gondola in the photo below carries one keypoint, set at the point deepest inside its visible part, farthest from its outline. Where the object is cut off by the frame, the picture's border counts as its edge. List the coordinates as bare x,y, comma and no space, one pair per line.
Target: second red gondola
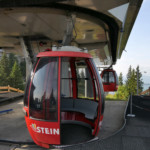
110,80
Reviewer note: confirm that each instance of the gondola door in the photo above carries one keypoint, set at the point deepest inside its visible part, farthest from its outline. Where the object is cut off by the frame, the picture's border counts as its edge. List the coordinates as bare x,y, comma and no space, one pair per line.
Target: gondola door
43,109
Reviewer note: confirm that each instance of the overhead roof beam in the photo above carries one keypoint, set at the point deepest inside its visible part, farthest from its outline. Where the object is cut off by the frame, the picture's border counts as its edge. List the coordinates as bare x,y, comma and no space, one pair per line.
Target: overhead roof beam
133,9
84,13
93,16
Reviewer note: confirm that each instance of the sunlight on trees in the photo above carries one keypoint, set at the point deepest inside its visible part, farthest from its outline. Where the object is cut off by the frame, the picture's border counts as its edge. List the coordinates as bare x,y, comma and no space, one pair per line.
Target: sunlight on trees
10,72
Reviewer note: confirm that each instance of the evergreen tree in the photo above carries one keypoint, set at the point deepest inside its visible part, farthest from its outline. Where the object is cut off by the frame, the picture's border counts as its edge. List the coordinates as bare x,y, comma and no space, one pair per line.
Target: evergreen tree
131,83
140,82
23,68
4,70
12,60
120,79
128,79
129,74
15,77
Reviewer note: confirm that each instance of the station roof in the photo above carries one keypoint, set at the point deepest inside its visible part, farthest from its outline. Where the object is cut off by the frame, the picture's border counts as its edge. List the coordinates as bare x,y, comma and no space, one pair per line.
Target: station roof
100,26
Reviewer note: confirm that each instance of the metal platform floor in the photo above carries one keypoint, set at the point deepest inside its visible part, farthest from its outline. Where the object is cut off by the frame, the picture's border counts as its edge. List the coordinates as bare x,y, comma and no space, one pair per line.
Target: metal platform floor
10,96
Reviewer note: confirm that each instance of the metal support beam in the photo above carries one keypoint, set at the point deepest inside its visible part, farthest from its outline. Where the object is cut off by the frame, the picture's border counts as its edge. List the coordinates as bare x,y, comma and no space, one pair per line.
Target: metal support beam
69,31
27,42
137,82
27,57
131,105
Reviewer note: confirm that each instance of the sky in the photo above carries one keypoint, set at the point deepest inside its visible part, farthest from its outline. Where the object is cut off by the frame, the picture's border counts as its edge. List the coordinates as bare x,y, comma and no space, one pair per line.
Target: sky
138,46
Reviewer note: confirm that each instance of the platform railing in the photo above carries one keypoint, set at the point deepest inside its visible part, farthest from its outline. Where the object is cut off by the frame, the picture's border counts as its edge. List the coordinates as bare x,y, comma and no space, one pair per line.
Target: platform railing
9,89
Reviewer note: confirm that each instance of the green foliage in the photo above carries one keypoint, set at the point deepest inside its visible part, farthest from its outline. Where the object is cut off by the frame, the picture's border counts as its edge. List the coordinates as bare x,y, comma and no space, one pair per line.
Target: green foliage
122,93
23,68
129,74
131,83
10,73
140,81
81,87
111,97
15,78
12,58
120,79
4,70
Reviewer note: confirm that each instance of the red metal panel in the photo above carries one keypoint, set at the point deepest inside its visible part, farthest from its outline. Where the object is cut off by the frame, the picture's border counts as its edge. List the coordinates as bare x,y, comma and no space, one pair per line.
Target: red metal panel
109,87
59,87
43,133
63,54
74,76
76,116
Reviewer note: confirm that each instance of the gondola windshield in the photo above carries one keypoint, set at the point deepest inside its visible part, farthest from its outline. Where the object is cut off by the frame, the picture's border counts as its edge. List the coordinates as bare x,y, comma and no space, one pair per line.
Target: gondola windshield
108,77
43,93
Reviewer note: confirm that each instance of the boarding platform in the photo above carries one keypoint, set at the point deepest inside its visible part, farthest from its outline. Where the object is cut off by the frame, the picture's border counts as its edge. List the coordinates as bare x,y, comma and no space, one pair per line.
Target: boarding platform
10,96
119,132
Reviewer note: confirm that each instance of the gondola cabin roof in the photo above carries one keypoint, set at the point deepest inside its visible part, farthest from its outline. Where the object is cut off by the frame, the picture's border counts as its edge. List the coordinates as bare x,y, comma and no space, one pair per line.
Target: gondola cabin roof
64,54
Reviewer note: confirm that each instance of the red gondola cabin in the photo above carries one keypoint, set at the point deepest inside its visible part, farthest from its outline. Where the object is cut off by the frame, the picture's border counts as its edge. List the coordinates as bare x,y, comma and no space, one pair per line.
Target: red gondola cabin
110,80
64,88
